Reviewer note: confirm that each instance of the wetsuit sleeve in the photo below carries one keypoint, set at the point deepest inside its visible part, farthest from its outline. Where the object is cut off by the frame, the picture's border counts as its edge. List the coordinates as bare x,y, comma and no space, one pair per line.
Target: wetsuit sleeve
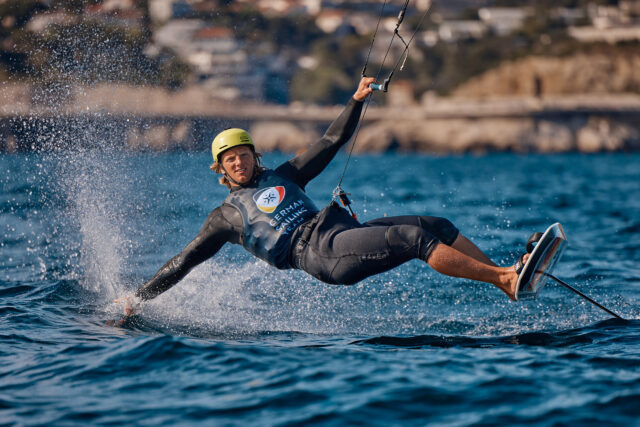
306,166
217,230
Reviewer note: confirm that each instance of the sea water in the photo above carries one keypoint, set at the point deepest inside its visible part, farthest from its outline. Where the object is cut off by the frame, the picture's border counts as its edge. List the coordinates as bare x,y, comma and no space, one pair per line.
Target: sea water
240,343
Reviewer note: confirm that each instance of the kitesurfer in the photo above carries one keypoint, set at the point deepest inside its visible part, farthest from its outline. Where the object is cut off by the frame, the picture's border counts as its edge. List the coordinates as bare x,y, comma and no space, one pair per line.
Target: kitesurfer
268,212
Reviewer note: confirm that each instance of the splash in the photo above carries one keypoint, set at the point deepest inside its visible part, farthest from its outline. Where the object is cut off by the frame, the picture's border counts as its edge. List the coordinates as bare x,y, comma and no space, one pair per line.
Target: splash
94,185
92,180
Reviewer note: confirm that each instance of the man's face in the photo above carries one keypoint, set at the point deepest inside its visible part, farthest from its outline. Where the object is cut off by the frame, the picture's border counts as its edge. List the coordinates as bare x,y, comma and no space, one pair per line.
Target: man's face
239,163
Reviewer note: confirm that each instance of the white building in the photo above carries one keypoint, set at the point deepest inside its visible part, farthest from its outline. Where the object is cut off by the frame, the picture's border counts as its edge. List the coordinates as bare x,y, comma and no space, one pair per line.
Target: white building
504,20
285,7
161,11
450,31
568,15
609,35
221,63
607,16
40,21
330,20
610,24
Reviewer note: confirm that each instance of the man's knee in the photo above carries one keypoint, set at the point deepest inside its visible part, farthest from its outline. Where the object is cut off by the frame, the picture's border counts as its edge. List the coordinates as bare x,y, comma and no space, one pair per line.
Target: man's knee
441,228
407,242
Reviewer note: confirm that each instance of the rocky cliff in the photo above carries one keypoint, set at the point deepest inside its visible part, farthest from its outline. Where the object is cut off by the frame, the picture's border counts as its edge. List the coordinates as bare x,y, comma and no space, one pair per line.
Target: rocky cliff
598,73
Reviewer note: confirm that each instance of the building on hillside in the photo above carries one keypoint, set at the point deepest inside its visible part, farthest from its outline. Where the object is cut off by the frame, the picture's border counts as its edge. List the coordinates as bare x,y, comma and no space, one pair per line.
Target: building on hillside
214,50
366,6
283,7
41,21
119,12
220,62
608,35
608,16
161,11
113,5
452,31
630,7
504,20
428,38
454,9
341,21
610,24
423,5
177,34
330,20
222,65
205,7
569,16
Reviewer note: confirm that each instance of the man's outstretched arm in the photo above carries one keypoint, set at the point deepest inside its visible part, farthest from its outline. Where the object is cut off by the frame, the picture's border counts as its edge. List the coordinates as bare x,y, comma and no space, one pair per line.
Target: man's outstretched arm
303,168
214,234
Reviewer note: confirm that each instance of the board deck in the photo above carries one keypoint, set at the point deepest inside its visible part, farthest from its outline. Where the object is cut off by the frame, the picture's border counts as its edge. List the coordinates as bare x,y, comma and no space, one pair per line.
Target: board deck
542,260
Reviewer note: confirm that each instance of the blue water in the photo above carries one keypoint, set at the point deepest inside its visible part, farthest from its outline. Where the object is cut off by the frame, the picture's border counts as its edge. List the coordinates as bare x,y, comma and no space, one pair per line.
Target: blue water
240,343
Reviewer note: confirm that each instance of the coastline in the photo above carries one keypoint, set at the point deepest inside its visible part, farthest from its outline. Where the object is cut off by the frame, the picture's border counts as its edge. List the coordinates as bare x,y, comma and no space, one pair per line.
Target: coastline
144,118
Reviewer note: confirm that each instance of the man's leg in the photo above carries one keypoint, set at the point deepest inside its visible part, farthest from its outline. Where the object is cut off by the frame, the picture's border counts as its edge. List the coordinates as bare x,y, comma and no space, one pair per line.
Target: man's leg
451,262
466,246
352,255
442,229
358,253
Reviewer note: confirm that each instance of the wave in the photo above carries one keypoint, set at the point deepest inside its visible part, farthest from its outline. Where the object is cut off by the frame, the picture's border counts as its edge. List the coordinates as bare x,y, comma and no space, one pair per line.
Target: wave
611,329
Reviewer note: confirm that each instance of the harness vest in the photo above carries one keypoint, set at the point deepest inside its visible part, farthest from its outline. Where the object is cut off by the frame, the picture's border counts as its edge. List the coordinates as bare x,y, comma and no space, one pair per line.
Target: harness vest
271,207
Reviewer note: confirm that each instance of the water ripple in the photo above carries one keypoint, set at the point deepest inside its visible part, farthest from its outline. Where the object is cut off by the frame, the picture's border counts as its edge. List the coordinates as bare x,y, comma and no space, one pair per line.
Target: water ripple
239,343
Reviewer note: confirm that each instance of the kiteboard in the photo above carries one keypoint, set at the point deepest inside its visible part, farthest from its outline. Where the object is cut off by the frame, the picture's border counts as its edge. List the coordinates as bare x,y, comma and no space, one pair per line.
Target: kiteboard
541,262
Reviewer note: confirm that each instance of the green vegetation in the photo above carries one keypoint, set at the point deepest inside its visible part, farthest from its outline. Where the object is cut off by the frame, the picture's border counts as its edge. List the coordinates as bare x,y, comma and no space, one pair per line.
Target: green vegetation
340,60
81,49
443,67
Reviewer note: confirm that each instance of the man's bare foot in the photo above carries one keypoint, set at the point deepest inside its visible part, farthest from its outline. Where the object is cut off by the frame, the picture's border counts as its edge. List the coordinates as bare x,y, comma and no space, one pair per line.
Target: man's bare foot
509,279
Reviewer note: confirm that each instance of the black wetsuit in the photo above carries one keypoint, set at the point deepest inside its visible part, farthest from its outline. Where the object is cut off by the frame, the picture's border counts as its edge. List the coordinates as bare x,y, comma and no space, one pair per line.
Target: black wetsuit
331,246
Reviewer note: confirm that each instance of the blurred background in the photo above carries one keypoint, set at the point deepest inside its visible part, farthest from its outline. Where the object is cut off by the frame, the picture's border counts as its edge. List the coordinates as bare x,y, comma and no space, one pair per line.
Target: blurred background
481,75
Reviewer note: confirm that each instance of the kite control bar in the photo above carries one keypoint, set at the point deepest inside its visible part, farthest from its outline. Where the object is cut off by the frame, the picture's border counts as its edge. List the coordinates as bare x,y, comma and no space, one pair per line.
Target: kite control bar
383,87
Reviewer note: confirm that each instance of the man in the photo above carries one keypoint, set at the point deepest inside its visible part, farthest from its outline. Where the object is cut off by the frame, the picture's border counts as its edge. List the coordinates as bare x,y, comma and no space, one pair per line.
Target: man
269,214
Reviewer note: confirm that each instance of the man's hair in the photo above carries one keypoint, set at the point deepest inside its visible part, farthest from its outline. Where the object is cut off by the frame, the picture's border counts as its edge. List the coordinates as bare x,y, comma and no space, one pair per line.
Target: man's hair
217,168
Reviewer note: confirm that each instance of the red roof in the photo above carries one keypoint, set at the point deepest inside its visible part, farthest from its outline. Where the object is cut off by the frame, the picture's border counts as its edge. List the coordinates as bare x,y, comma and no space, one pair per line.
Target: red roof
213,33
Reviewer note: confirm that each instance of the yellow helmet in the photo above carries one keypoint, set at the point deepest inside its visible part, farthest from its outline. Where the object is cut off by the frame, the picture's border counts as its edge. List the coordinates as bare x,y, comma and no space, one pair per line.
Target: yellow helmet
229,138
